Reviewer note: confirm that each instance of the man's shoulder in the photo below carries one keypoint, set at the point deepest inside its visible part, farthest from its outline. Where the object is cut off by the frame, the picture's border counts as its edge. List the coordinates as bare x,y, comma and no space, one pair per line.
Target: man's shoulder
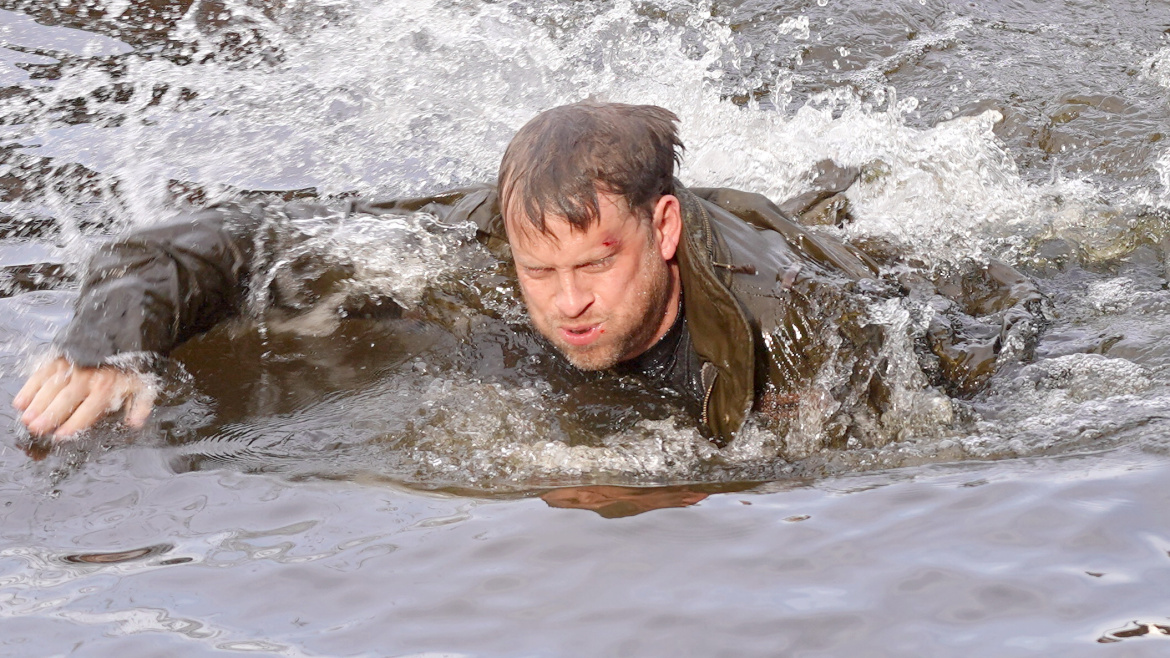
823,204
736,206
735,201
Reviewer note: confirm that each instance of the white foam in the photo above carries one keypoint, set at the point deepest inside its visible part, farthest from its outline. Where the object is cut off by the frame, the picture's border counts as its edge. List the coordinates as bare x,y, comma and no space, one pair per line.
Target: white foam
398,98
1157,67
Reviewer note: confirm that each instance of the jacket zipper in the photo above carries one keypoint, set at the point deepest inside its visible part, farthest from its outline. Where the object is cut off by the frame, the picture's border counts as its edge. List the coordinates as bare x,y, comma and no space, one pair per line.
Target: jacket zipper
705,416
707,231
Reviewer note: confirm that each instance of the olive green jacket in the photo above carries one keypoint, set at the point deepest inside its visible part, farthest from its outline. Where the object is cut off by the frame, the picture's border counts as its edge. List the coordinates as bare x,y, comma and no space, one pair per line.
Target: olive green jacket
770,304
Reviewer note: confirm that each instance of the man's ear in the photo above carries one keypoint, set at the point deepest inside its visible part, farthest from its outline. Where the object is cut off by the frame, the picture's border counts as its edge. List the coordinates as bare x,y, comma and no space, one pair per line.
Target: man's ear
667,225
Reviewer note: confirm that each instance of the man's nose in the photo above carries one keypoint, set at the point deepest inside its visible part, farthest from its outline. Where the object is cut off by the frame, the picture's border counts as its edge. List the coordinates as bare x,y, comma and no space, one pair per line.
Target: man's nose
572,298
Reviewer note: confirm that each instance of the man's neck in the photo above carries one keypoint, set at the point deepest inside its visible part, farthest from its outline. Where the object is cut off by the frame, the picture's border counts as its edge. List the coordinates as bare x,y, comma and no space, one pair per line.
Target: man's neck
673,304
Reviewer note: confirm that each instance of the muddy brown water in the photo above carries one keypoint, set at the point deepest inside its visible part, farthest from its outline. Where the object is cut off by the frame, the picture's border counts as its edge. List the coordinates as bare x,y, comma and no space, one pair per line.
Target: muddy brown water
314,487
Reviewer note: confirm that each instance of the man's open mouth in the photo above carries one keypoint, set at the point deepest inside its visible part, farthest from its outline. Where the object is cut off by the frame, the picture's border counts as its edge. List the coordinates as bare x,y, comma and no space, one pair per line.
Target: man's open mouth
581,335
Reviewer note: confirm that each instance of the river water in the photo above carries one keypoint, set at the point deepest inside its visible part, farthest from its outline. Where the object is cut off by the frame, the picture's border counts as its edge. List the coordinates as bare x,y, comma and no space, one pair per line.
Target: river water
314,487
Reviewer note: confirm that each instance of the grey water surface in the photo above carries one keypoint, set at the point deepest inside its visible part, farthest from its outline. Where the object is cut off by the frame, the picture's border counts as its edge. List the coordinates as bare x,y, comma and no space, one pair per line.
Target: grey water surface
324,486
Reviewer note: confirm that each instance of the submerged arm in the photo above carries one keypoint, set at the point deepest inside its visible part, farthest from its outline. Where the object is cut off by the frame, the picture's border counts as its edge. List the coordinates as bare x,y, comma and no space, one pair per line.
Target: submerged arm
142,295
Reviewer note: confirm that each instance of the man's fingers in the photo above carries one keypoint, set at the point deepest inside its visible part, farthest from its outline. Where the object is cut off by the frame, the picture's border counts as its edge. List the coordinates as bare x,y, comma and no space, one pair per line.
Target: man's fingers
38,378
62,400
45,396
62,406
140,407
88,412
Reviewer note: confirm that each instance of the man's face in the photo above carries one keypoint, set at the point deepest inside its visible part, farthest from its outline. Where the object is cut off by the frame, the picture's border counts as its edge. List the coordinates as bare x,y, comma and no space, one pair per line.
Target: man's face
606,294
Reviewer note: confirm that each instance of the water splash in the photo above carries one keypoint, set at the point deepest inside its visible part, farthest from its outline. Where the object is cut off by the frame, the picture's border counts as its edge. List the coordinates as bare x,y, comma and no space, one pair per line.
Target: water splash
399,98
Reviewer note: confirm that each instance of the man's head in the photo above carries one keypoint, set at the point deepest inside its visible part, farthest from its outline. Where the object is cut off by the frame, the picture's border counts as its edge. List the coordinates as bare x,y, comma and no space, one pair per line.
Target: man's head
587,194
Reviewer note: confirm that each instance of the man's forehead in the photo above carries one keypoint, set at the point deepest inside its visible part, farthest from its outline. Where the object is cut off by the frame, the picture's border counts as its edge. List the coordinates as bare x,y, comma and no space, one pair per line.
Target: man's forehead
561,237
614,217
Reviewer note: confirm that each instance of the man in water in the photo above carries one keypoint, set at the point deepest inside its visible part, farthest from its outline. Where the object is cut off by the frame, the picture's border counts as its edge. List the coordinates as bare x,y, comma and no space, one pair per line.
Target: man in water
717,294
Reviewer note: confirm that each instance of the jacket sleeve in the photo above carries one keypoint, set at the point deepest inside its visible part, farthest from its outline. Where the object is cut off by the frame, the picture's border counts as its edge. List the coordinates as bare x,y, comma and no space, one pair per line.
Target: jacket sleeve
148,292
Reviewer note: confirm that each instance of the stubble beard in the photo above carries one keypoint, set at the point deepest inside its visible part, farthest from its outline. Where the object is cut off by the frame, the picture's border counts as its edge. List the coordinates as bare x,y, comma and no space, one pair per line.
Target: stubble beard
629,332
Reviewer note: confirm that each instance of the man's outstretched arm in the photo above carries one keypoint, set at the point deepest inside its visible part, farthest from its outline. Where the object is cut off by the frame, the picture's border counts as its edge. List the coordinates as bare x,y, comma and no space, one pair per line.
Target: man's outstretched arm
142,295
147,293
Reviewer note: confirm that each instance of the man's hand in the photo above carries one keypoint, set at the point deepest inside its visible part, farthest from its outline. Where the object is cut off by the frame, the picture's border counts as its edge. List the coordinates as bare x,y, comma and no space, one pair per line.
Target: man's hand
60,398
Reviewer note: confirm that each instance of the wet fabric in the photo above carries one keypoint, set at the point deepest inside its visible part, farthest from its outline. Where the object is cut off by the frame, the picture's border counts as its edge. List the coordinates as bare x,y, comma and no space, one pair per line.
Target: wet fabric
672,363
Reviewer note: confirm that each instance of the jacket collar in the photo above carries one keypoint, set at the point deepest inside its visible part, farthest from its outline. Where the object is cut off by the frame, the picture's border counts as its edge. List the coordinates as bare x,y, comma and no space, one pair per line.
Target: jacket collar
720,331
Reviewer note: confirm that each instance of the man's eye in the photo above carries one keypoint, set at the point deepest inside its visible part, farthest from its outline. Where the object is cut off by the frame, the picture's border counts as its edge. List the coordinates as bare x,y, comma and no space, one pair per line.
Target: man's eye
598,264
537,272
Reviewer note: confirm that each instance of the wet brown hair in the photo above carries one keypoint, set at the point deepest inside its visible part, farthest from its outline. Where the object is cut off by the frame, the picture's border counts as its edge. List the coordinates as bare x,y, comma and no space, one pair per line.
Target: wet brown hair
556,163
